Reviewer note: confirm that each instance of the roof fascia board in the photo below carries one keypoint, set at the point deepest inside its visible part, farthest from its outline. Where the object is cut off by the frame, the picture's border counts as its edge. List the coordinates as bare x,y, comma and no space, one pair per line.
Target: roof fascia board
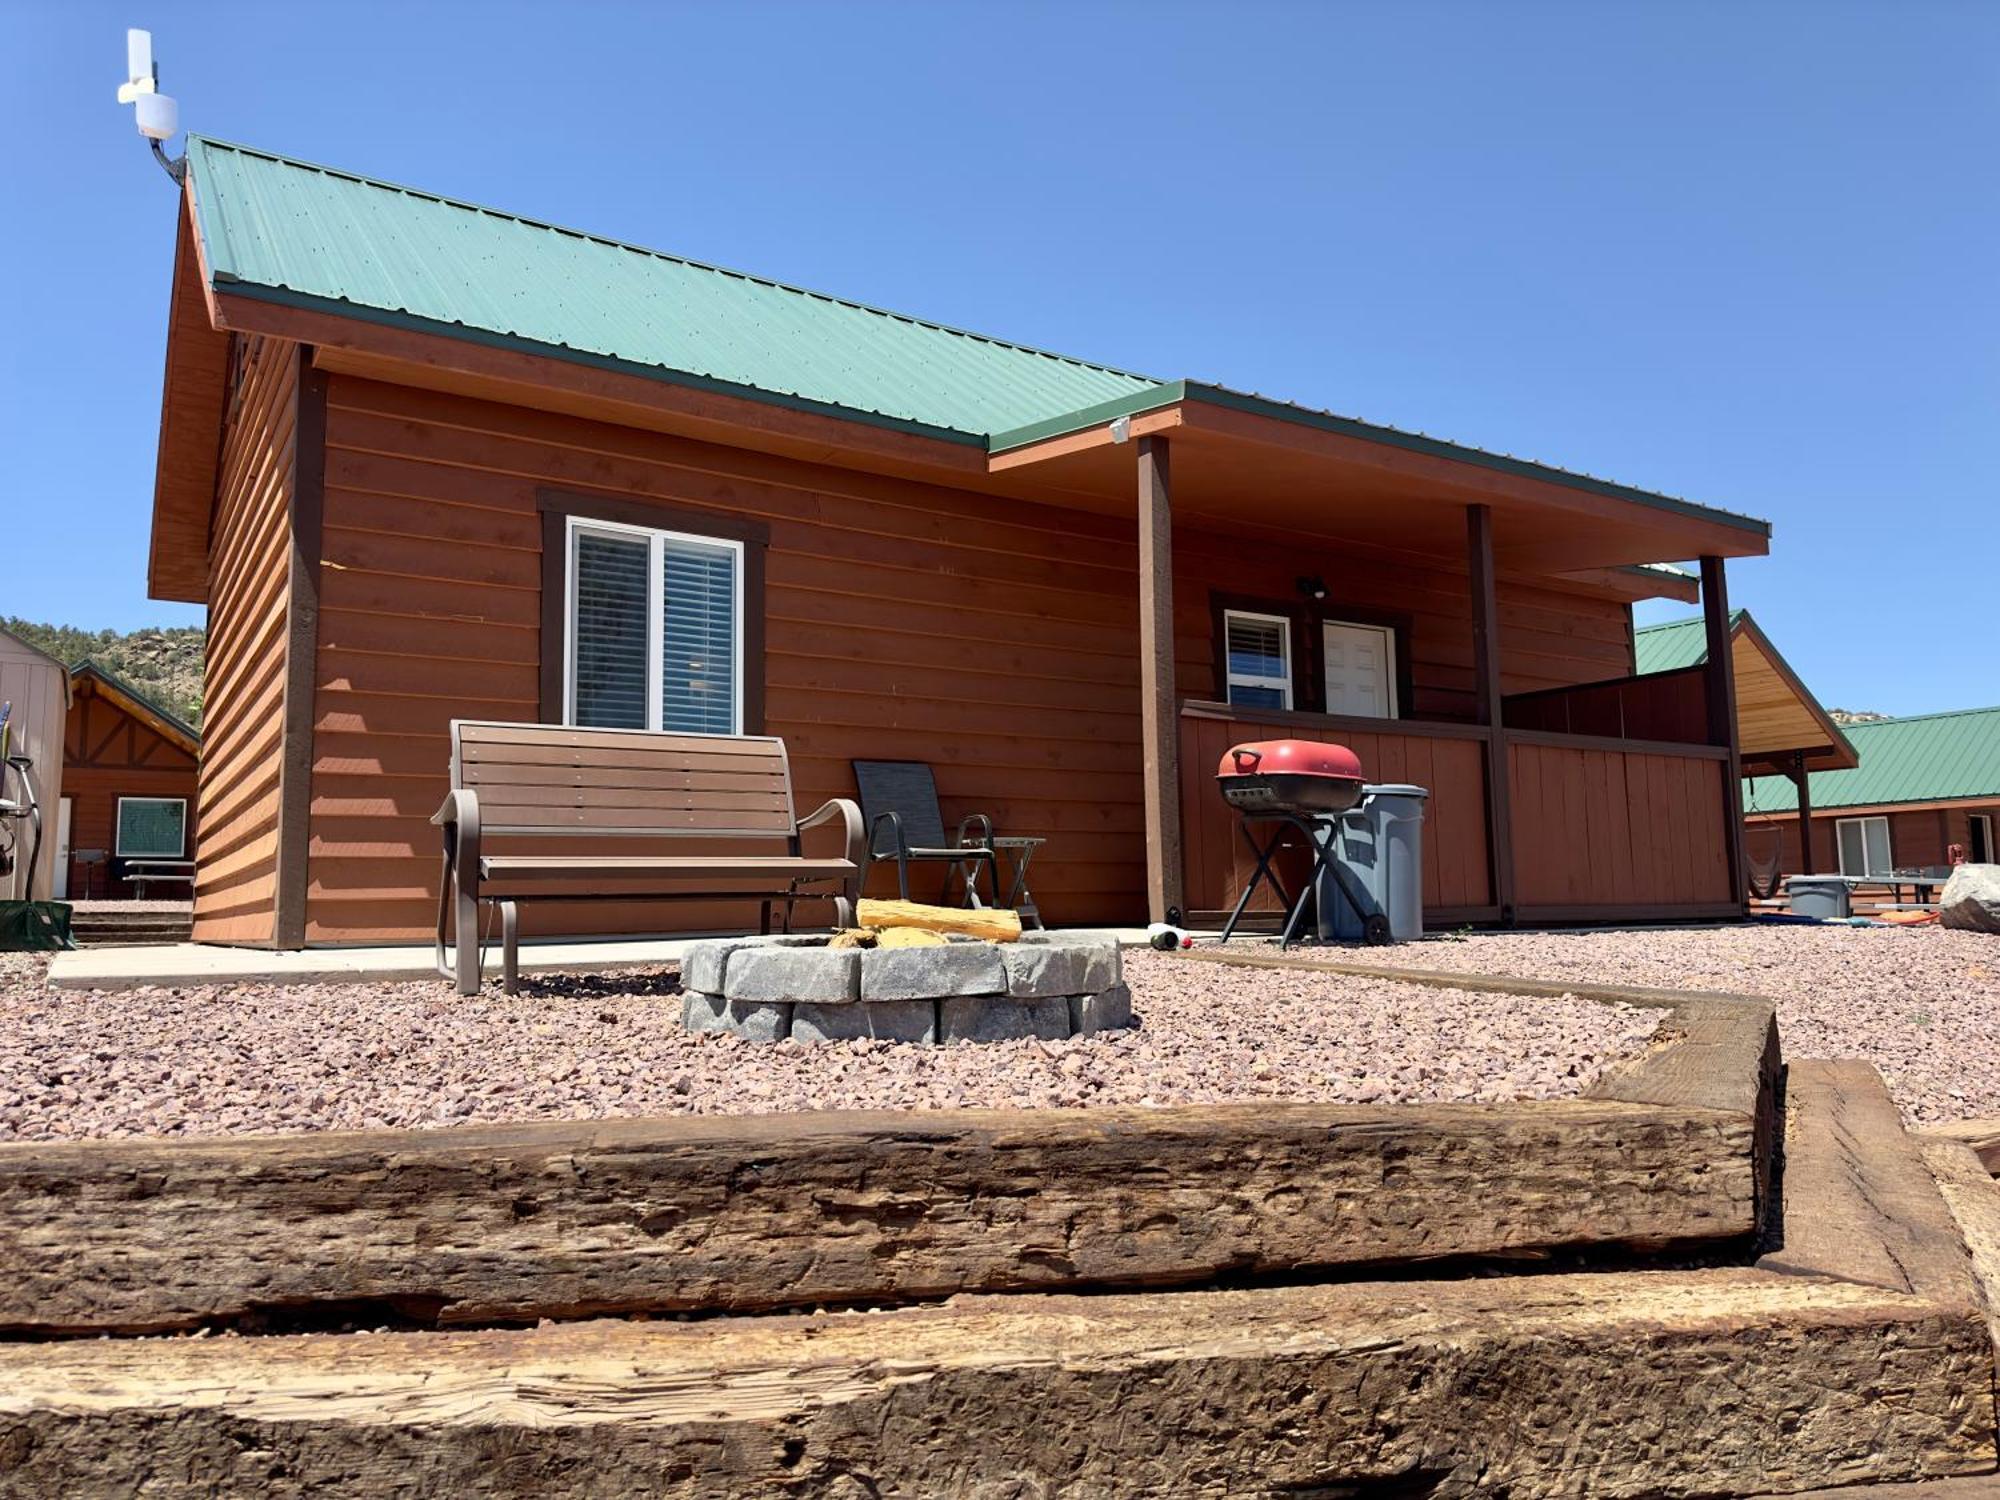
1169,393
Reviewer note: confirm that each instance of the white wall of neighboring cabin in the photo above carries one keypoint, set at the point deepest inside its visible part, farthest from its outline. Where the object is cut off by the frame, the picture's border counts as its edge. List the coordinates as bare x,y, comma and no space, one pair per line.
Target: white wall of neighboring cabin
38,687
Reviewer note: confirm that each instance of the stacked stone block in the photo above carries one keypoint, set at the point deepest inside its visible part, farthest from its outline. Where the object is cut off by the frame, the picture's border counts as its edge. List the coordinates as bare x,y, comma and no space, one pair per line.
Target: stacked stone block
1049,985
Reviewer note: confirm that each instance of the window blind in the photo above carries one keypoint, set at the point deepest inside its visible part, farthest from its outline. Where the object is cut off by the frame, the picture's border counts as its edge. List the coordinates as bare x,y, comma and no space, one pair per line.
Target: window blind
697,637
610,631
1260,673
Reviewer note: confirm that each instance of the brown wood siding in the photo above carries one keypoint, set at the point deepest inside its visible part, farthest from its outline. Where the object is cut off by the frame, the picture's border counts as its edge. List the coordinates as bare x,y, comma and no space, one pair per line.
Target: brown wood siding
108,754
1600,827
1456,873
244,676
996,639
1548,637
1659,706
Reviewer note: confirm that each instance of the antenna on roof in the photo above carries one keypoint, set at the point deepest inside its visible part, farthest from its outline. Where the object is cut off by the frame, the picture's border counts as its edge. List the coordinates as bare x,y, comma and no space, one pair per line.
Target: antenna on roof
157,115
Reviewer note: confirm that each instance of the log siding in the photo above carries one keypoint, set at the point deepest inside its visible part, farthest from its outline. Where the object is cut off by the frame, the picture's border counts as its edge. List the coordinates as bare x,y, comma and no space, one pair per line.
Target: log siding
249,594
995,638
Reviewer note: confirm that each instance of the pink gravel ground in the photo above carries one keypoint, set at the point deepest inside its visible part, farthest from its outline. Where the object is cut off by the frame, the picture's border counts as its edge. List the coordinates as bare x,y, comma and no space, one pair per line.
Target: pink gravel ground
1921,1003
223,1059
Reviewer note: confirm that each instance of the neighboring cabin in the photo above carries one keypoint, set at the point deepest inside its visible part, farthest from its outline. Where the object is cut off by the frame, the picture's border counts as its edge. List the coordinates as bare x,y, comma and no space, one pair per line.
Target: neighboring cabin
128,788
423,460
37,685
1923,784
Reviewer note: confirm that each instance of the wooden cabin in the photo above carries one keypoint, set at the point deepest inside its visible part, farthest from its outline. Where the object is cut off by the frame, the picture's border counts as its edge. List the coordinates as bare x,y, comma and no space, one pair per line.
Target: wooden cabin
423,460
1922,786
128,790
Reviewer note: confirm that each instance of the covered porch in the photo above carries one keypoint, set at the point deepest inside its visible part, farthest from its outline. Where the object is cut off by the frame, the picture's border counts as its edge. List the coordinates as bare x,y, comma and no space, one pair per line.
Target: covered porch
1564,786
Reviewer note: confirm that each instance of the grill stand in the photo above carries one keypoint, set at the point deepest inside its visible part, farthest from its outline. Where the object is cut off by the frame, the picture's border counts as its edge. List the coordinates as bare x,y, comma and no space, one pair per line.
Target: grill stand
1322,833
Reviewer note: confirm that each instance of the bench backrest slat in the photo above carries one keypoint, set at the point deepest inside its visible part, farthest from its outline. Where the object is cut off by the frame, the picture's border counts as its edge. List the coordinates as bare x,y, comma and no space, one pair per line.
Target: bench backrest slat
549,778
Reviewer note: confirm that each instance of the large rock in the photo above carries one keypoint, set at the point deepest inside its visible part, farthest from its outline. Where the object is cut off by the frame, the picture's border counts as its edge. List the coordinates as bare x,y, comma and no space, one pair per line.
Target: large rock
1971,900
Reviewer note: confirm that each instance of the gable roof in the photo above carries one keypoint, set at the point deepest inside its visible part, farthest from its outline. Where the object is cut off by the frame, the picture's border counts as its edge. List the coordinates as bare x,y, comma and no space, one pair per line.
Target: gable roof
149,712
1943,757
1776,714
1675,644
287,232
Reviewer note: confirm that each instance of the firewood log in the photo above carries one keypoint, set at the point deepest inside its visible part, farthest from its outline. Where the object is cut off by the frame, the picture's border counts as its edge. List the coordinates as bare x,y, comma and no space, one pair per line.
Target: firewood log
984,922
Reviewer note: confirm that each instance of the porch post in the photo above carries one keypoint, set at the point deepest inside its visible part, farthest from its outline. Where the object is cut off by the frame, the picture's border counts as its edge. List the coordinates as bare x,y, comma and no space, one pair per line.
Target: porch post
1486,687
1719,678
1802,779
1159,726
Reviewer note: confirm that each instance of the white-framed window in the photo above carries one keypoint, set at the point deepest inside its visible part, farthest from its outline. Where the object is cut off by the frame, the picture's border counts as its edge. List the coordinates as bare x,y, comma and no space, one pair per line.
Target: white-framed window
654,636
151,828
1864,846
1259,651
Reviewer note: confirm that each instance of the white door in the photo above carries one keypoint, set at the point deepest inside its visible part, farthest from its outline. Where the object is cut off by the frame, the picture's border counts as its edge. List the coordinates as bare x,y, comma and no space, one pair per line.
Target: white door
61,882
1360,664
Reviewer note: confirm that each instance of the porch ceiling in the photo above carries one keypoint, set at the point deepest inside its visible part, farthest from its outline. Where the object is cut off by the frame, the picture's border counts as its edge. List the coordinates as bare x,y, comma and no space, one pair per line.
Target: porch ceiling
1258,468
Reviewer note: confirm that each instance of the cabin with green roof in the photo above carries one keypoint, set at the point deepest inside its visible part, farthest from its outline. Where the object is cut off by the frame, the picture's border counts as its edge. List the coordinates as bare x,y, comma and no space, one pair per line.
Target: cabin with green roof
1926,788
426,460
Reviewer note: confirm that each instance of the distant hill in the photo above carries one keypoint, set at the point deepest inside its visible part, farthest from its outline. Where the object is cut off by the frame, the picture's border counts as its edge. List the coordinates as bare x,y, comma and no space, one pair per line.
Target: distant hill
162,663
1854,716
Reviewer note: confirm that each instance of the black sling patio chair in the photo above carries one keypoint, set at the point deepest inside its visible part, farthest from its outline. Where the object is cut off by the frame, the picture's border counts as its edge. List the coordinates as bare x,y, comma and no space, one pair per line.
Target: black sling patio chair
899,804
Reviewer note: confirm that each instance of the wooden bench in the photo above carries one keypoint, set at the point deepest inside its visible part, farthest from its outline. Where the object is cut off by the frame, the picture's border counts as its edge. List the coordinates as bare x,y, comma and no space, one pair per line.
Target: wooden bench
529,782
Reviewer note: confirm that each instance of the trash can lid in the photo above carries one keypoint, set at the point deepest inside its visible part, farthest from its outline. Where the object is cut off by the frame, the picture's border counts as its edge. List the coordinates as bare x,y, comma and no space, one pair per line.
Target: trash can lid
1394,789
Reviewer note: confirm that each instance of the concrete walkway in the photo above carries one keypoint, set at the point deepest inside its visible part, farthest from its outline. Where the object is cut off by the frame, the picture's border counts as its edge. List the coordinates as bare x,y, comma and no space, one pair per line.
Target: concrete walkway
126,968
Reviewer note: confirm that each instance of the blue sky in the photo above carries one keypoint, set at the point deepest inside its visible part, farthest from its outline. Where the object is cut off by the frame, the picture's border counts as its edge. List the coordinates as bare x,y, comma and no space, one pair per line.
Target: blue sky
1741,253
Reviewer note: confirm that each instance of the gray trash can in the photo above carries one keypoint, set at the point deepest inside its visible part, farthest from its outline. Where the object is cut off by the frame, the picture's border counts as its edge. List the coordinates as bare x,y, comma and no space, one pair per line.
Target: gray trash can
1825,896
1381,842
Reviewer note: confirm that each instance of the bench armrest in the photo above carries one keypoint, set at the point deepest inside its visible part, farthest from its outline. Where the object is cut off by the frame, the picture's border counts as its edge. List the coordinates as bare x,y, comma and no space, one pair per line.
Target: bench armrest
459,818
845,809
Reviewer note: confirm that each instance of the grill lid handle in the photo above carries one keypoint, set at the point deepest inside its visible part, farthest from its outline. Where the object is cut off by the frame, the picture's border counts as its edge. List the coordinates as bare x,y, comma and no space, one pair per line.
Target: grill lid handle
1247,760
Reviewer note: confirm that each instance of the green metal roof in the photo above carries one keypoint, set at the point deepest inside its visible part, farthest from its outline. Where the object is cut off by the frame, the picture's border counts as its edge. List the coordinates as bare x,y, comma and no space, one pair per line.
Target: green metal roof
1929,758
289,232
1676,644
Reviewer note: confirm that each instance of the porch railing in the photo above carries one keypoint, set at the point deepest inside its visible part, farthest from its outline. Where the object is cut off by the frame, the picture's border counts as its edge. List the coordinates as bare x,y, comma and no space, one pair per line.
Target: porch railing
1600,827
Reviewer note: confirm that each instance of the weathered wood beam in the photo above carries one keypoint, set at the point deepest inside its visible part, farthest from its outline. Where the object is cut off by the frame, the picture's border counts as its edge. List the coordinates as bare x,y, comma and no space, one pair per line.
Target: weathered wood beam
1159,728
1719,679
1485,601
512,1223
1982,1136
1859,1202
1662,1383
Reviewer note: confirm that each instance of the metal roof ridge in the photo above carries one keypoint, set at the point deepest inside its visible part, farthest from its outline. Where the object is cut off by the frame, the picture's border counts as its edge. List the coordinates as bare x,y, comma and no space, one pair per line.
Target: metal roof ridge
466,206
1734,614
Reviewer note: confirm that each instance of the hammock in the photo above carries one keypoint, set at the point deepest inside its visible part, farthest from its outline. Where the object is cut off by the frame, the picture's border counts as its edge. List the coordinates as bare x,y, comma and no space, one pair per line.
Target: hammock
1763,868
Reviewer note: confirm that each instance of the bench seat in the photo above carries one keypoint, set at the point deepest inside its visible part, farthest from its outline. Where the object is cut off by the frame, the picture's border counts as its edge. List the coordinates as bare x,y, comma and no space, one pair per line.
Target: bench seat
541,782
719,866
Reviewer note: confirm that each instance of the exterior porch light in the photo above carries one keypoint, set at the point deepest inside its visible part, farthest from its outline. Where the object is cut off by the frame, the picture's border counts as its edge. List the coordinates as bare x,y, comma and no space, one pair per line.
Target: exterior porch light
1314,588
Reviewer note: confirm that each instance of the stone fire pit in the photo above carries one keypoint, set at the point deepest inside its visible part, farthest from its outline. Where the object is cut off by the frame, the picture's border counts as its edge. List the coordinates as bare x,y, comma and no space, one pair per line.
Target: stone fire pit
1048,984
